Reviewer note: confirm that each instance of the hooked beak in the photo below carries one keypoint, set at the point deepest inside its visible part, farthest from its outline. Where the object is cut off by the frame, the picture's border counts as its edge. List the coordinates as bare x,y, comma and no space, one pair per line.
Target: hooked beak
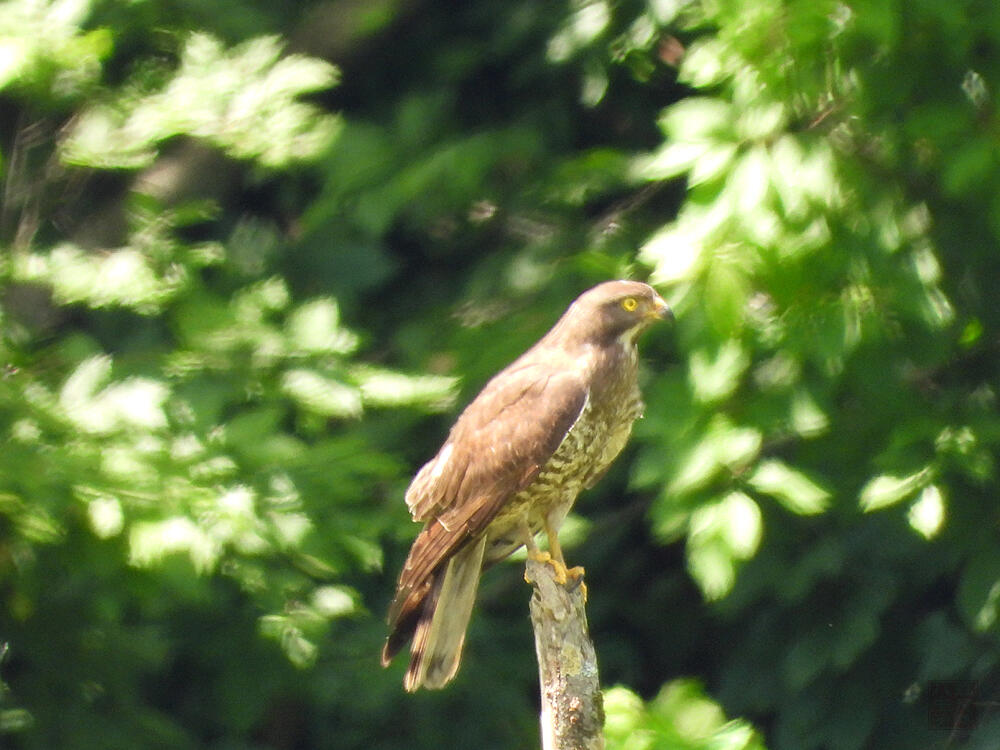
661,310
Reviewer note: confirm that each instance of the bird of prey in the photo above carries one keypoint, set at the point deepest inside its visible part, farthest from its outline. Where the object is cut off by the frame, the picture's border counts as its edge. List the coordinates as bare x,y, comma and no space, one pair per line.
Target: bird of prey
543,429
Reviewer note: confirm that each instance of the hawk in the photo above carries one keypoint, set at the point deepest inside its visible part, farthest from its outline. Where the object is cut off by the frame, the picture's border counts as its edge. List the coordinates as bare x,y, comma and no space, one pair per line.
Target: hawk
542,430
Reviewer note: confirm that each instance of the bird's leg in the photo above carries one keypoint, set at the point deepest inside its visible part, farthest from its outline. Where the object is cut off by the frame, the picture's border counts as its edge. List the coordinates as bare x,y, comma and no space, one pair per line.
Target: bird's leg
529,543
558,561
532,548
554,557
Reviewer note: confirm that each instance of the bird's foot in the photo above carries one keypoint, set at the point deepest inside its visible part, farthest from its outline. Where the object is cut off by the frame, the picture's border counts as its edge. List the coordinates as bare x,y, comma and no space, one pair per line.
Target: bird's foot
539,556
563,575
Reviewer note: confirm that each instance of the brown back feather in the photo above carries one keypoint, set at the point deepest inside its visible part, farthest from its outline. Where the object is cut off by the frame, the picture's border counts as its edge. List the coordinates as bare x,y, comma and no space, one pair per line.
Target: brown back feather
497,447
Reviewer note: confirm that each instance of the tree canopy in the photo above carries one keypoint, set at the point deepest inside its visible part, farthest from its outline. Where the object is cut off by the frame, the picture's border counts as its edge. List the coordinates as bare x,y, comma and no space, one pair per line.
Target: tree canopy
254,258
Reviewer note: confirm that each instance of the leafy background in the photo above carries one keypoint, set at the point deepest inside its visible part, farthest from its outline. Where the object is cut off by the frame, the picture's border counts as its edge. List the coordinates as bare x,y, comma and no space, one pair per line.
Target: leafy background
255,257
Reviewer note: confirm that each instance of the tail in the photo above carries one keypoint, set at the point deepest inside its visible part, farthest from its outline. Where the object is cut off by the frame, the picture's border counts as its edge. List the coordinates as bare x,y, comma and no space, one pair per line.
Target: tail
438,625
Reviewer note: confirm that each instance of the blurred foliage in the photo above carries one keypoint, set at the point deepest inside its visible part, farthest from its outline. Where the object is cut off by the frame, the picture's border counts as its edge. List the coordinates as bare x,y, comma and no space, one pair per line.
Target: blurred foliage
679,717
254,257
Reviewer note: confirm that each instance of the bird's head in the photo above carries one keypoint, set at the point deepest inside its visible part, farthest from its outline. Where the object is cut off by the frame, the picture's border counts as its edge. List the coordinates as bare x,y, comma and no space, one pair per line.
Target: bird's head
617,310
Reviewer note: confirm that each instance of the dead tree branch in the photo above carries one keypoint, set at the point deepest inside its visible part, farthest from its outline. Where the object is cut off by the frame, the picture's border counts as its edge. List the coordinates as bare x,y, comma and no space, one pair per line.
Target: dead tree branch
572,706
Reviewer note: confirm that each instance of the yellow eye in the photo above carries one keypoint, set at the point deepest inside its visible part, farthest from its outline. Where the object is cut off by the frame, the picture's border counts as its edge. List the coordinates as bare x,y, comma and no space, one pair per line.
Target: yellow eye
629,304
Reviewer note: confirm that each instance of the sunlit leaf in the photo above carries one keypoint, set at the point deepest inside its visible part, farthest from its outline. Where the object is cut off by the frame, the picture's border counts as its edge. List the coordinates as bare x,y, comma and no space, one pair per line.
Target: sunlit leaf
15,720
334,601
315,328
725,293
121,277
711,164
673,159
806,417
680,717
721,534
697,119
106,516
748,185
623,712
321,394
887,489
387,388
583,26
791,487
135,403
673,253
706,63
244,100
42,40
81,387
715,375
32,521
151,541
761,121
723,445
927,514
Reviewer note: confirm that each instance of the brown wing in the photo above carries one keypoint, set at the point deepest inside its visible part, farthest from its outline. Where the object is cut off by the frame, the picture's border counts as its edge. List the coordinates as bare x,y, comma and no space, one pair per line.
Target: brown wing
516,422
495,449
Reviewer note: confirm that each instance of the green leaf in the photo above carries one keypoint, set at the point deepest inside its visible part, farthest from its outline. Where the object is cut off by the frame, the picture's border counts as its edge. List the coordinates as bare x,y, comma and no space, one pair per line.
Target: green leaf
927,514
386,388
721,534
321,394
314,328
761,122
244,100
675,158
806,417
725,293
711,164
335,601
886,490
623,711
32,521
124,277
714,376
973,163
674,252
791,487
151,541
679,717
723,445
42,45
15,720
706,63
106,516
698,120
748,187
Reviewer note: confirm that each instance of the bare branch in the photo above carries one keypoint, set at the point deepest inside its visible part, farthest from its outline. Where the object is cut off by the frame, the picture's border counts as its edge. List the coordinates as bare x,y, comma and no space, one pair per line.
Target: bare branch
572,705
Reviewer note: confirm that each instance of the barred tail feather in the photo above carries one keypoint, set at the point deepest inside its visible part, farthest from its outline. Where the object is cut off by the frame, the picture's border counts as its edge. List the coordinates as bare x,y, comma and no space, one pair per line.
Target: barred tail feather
437,640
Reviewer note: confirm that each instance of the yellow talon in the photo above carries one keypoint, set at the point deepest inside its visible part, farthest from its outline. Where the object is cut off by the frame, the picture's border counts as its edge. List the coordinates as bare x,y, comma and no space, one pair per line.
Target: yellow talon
563,575
560,572
539,556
